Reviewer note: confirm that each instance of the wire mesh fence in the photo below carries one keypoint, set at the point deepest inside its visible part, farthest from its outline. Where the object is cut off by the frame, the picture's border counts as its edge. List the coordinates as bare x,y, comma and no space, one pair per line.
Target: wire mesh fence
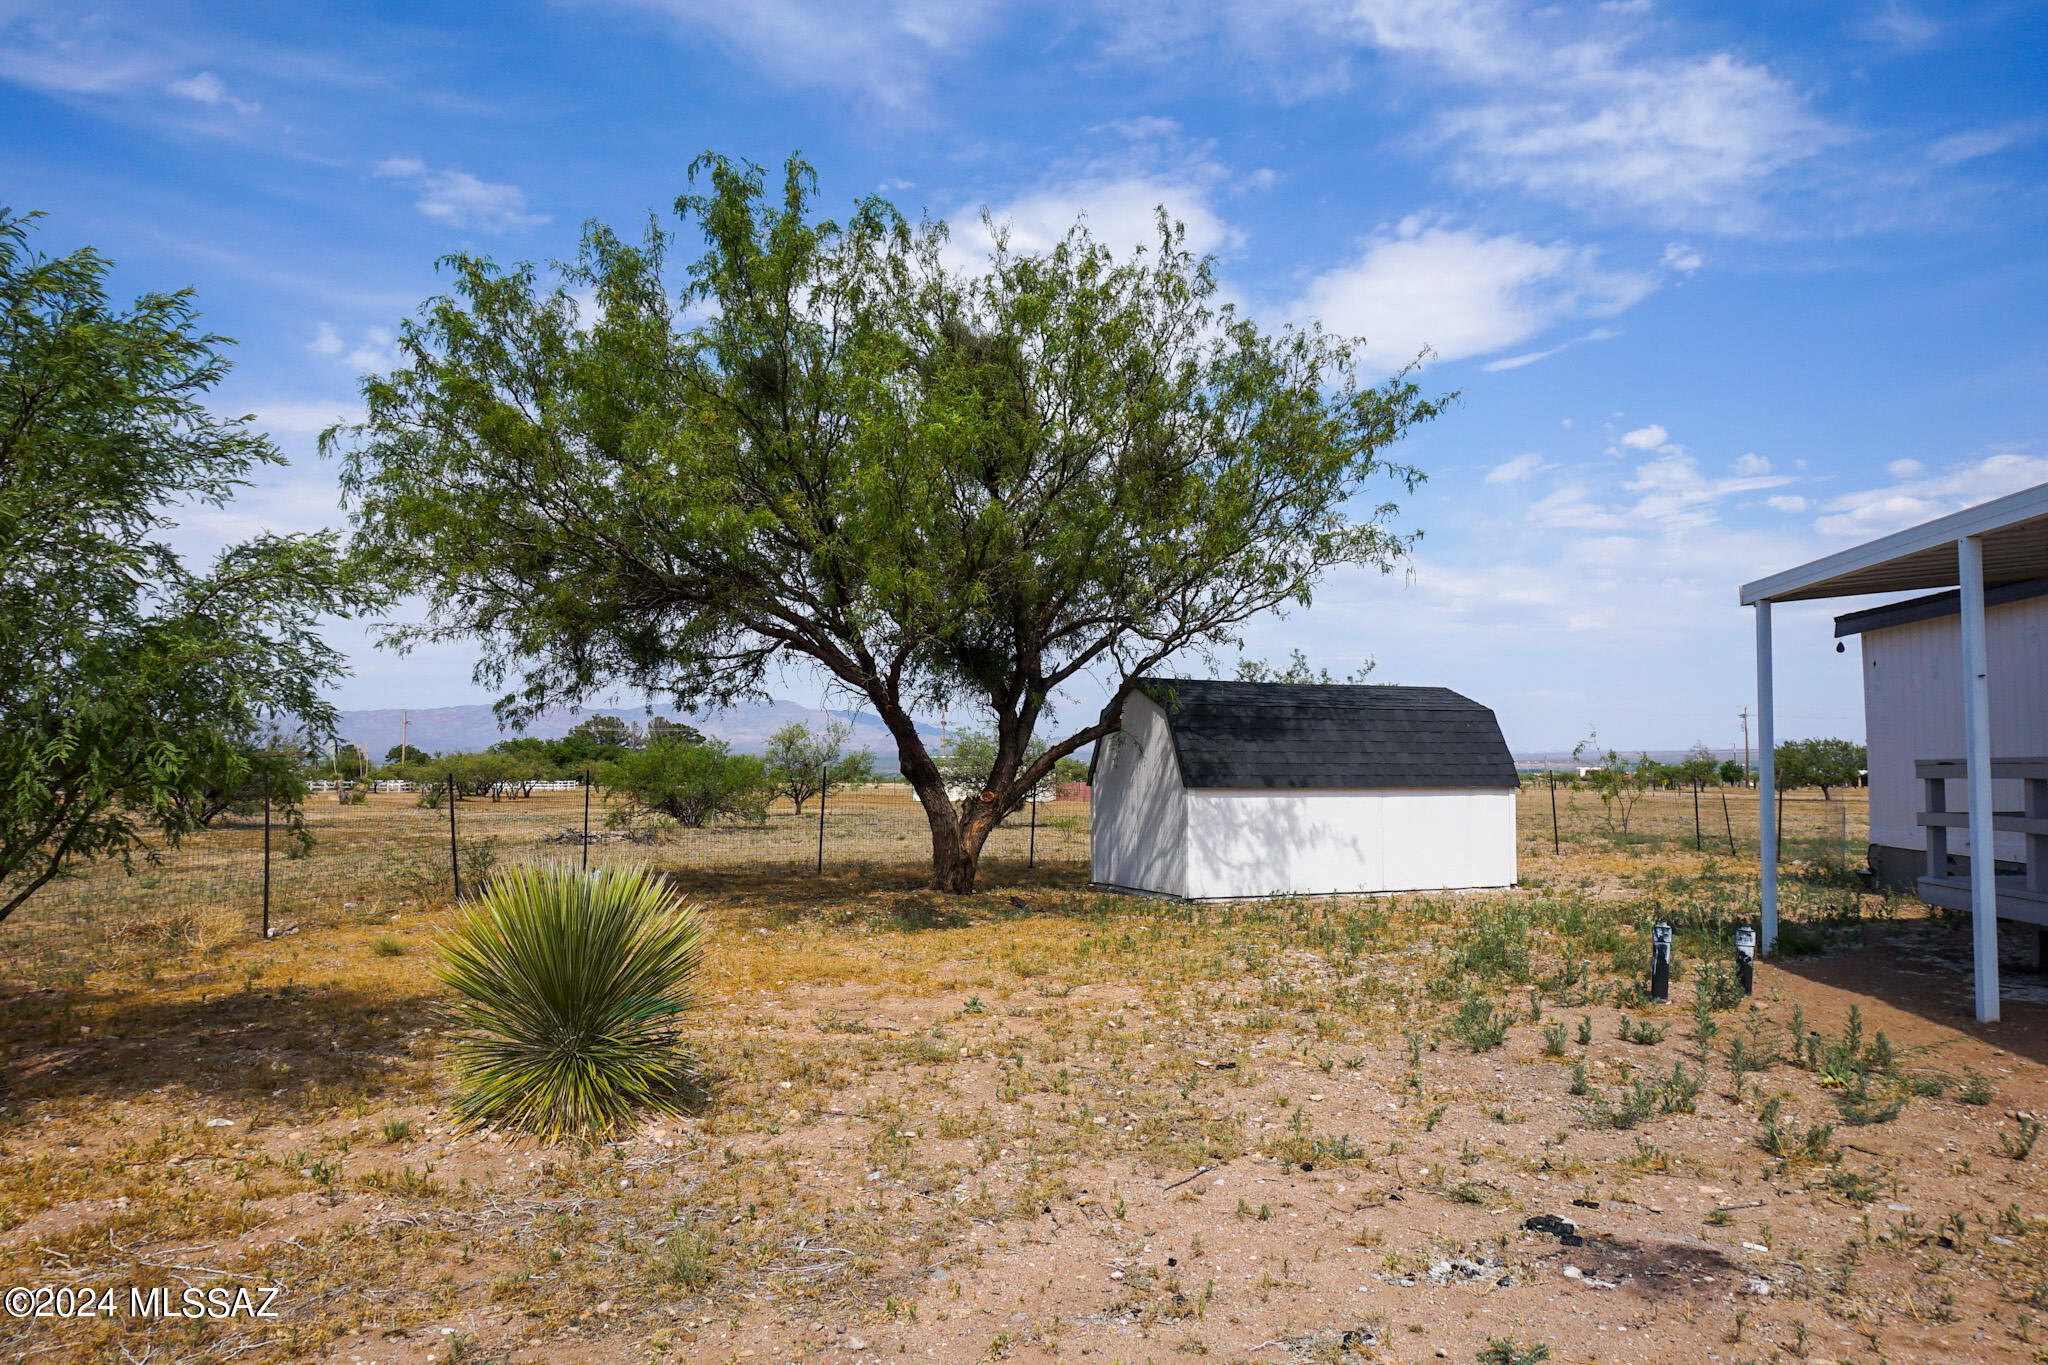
390,848
376,858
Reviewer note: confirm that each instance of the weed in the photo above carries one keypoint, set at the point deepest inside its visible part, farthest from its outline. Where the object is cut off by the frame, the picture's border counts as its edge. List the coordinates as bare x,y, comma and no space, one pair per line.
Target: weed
1553,1039
1508,1351
2021,1146
1642,1032
1480,1025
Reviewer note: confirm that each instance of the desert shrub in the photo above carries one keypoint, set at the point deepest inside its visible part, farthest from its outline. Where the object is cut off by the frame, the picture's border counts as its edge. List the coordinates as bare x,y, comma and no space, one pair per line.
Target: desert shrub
569,989
1480,1025
691,784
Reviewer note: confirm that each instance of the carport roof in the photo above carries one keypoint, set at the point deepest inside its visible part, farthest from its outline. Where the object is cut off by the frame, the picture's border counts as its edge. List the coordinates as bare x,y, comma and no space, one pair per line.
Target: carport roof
2014,530
1330,735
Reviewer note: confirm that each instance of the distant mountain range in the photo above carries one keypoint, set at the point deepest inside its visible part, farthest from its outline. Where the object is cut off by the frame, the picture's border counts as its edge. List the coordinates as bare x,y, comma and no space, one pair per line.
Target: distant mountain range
467,729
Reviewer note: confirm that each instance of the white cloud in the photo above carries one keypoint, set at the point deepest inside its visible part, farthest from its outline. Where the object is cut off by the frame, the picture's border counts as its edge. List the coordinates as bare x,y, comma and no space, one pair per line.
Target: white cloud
1957,148
1682,258
1751,464
1515,470
1788,502
1122,213
1904,469
1646,438
1900,26
1460,292
374,349
880,50
377,350
459,199
208,88
1591,107
1877,511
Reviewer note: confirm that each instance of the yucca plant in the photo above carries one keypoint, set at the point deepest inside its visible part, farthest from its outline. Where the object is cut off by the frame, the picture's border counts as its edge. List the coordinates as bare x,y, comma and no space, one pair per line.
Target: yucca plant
569,992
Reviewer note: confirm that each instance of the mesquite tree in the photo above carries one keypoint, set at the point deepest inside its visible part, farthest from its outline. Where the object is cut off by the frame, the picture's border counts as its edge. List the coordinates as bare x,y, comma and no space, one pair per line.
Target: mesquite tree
137,693
829,444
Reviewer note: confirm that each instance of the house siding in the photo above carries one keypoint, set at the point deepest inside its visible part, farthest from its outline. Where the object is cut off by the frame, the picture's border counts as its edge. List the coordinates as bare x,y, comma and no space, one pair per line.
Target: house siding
1913,709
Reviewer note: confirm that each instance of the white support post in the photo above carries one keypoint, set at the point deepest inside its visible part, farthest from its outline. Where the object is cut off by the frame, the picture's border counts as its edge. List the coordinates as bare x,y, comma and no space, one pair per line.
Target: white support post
1766,785
1977,774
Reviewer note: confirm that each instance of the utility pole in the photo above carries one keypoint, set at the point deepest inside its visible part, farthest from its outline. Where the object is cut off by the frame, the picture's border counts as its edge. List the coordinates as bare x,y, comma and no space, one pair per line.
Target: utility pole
1745,744
404,727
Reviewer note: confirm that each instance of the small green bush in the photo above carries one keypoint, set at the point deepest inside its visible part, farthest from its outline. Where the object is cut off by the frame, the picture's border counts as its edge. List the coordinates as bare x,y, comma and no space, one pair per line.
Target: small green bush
569,992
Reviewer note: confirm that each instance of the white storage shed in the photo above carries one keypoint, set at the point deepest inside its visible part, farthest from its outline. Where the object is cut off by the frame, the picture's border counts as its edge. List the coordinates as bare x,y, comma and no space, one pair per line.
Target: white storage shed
1233,790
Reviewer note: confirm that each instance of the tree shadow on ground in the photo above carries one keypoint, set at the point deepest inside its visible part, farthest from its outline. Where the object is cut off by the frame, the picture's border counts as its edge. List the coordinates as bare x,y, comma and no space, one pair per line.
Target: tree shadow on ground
289,1046
898,896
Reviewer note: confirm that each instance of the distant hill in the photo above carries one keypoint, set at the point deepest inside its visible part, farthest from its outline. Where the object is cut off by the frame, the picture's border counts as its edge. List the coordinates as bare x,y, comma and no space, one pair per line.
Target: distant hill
466,729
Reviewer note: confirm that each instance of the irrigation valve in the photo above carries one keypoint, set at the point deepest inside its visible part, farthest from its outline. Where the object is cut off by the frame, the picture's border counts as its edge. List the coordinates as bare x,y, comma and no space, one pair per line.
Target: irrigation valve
1745,956
1660,962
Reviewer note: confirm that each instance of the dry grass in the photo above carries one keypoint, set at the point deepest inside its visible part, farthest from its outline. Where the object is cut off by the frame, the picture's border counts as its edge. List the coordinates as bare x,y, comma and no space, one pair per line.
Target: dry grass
1042,1121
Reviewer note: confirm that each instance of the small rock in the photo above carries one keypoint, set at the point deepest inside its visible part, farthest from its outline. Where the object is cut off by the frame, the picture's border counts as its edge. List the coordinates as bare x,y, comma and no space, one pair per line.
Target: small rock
1758,1286
220,1123
856,1343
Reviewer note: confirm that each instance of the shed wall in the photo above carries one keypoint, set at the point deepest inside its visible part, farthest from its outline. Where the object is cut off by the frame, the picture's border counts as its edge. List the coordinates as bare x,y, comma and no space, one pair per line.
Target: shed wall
1138,830
1243,843
1913,709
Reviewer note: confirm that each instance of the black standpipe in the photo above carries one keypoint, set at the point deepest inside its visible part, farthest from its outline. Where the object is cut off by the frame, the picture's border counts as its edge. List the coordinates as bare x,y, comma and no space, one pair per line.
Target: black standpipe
1660,962
1745,956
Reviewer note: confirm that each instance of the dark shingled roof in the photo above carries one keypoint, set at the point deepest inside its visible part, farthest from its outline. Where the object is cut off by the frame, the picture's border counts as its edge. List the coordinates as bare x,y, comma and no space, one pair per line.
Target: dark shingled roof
1282,735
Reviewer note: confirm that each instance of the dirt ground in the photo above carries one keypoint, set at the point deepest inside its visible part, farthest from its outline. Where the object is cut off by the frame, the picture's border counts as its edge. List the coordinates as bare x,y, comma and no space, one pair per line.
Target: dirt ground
1043,1123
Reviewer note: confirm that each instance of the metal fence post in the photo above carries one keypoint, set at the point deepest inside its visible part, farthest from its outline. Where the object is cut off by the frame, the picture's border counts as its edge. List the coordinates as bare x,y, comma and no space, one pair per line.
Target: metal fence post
266,859
1699,844
586,819
822,771
454,858
1555,845
1031,859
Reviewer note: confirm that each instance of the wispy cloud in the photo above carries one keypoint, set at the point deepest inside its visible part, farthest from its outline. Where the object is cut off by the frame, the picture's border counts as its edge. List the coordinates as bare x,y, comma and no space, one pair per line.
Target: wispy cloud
1918,495
461,200
207,88
1514,471
883,51
1462,292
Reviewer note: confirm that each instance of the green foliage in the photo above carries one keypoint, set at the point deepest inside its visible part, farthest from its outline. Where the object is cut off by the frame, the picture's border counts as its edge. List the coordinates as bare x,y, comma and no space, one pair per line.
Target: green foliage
1298,670
1480,1025
804,762
569,993
1823,763
1553,1039
831,447
2020,1146
691,784
1731,773
1508,1351
1497,947
1642,1032
136,693
1976,1087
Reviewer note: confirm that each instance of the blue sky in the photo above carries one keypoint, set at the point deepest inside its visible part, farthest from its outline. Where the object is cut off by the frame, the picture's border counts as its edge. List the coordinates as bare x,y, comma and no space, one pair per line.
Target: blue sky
1724,287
